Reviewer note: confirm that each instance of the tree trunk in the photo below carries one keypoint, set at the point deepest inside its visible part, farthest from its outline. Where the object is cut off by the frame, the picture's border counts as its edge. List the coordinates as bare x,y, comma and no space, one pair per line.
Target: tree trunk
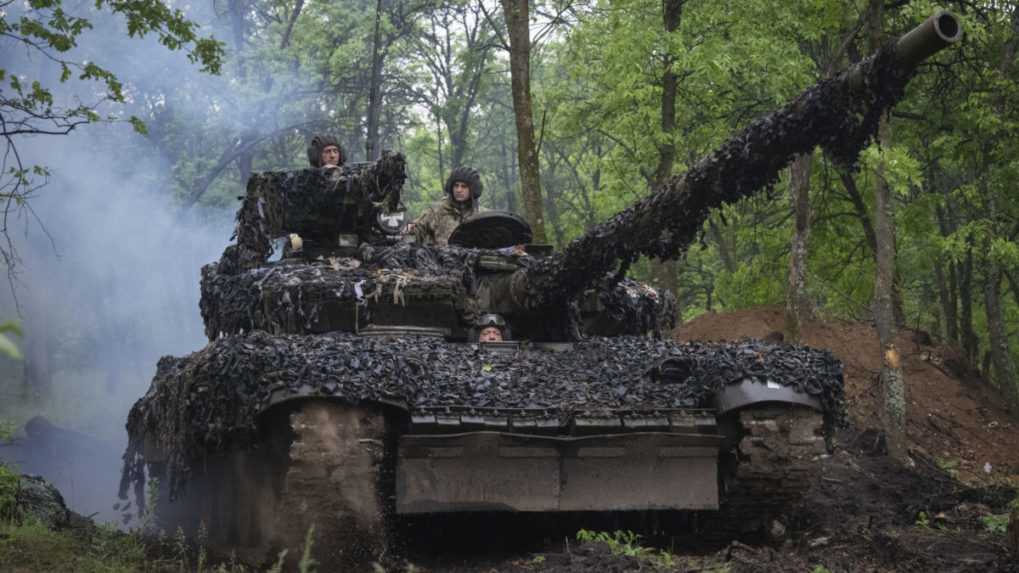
1001,356
860,207
238,27
893,390
724,248
664,272
946,284
294,14
798,308
863,214
518,27
969,336
375,89
508,178
944,300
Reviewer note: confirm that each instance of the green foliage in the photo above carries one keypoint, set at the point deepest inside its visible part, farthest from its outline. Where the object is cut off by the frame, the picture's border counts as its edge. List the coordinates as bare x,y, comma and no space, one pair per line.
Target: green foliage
996,523
820,569
923,520
7,346
48,30
948,465
281,560
628,543
9,483
31,547
7,429
308,564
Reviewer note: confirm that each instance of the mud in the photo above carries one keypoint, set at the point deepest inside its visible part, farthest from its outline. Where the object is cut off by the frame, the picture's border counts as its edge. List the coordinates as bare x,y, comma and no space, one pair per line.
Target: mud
861,513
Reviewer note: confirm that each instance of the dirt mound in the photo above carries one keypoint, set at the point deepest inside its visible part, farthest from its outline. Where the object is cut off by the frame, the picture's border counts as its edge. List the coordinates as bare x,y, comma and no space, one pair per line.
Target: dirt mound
961,425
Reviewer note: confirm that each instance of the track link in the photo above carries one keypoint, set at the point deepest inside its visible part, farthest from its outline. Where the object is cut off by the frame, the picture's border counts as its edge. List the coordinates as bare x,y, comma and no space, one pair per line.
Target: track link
776,457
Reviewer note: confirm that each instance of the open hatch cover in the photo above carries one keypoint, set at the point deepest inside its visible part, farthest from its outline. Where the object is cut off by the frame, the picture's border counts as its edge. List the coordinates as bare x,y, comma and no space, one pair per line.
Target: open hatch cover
492,230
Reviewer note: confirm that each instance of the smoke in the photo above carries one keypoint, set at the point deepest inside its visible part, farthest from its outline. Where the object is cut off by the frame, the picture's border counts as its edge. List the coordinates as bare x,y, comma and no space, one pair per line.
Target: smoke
110,264
109,283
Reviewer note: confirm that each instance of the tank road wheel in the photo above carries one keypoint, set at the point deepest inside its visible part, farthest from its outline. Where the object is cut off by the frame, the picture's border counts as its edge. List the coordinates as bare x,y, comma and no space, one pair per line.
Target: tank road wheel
334,484
776,456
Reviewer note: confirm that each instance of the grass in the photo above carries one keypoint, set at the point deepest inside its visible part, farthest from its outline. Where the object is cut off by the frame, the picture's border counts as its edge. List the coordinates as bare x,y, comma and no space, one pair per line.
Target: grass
9,482
628,543
31,547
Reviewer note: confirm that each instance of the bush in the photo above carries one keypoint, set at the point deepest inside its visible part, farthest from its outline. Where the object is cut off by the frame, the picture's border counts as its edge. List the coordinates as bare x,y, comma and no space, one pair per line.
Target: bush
9,482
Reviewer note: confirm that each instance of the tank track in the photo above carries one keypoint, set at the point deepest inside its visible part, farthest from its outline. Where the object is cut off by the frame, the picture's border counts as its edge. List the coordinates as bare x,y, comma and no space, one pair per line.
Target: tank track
775,461
336,463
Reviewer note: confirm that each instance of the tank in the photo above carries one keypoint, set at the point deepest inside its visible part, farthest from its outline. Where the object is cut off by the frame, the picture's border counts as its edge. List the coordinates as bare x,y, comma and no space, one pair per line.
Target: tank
343,388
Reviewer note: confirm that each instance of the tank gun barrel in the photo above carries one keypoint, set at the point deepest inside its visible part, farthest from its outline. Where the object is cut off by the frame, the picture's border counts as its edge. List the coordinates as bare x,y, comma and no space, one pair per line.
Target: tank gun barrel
840,114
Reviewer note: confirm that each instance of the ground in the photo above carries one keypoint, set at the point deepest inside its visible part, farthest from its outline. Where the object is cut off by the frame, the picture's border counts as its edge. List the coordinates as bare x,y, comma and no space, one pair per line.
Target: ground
959,423
864,512
946,511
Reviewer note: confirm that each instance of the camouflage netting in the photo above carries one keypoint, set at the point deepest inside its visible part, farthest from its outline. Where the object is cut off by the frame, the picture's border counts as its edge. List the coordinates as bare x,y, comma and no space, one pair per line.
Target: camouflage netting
277,203
840,115
209,401
638,308
288,296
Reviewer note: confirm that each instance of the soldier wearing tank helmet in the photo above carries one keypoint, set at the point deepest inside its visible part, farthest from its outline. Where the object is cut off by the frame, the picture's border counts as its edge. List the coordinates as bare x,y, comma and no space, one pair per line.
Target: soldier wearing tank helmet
463,187
325,151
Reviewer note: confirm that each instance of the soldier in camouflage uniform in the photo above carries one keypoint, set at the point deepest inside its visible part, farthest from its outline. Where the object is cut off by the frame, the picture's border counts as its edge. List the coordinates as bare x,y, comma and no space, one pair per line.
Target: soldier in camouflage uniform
436,224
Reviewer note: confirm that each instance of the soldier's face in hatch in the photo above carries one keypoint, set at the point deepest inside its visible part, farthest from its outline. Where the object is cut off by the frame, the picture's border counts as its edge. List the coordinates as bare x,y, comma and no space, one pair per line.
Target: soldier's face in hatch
490,334
330,155
461,192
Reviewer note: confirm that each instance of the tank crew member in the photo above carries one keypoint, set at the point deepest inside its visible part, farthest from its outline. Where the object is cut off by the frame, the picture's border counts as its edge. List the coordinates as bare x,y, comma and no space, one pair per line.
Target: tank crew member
492,328
325,151
434,226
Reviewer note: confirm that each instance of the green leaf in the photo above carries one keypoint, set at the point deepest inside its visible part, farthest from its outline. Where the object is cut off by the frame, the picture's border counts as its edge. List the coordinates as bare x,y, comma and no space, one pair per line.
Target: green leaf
138,125
8,348
11,326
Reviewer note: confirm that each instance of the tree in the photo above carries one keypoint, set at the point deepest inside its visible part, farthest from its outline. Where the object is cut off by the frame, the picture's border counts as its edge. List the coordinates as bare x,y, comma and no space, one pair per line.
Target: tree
893,392
49,32
519,32
799,308
672,14
455,46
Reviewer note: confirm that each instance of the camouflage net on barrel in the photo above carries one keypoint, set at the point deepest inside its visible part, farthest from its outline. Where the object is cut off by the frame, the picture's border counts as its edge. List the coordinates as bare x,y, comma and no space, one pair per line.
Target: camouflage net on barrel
839,117
209,401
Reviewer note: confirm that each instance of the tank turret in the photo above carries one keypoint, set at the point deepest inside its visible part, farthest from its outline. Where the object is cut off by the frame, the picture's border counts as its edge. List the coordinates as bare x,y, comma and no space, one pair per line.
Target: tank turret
342,388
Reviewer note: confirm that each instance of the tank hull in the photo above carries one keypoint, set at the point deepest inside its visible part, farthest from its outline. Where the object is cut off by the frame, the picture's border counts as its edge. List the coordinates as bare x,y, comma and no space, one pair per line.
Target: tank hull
342,477
492,471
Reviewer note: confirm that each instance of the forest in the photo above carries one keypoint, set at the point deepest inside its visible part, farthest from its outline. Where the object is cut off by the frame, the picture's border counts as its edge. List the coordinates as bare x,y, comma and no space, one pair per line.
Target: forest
130,129
622,95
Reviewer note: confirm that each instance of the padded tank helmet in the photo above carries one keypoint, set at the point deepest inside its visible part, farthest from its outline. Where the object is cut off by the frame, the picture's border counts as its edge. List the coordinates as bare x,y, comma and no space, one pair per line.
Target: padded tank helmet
320,142
490,319
468,175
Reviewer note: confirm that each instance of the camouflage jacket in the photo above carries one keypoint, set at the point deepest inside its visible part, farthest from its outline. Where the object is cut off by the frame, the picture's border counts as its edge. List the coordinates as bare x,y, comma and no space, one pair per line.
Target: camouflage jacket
435,225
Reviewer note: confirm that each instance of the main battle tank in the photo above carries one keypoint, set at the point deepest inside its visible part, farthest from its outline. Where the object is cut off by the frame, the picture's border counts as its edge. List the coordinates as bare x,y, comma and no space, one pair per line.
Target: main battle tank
343,389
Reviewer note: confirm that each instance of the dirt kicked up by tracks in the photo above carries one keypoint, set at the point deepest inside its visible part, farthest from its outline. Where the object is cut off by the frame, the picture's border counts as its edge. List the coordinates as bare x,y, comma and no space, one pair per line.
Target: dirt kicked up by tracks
863,512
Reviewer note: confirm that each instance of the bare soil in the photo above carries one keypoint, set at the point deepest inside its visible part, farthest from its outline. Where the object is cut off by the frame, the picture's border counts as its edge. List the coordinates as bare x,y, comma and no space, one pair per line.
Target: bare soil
863,511
954,418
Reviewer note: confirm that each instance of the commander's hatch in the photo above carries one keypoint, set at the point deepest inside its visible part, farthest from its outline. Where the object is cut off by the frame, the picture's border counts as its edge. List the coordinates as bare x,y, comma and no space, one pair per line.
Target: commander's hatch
496,230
